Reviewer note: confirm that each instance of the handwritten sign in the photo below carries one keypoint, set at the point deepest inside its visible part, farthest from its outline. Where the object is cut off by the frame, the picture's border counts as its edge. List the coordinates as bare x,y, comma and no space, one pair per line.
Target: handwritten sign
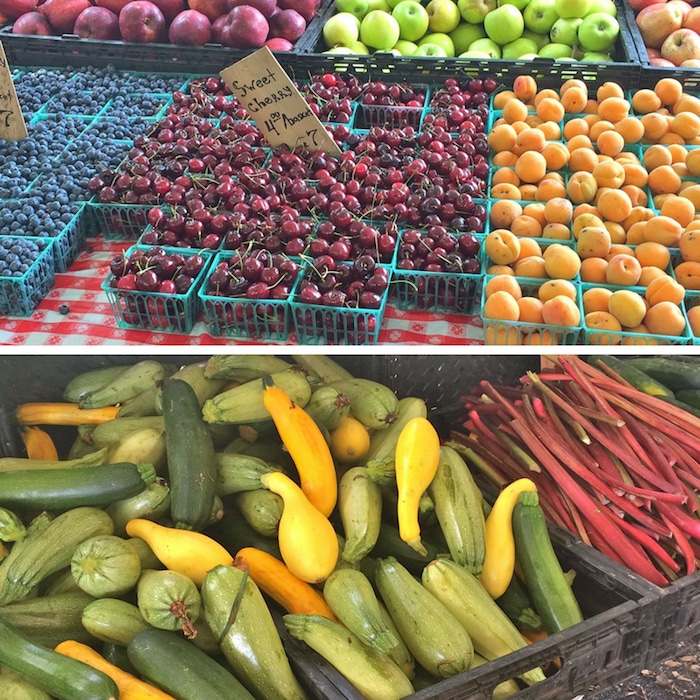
12,126
275,104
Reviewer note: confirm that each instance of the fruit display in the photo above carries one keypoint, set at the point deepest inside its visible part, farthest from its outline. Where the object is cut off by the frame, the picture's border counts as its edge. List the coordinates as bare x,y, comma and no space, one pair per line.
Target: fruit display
230,23
584,30
670,32
383,549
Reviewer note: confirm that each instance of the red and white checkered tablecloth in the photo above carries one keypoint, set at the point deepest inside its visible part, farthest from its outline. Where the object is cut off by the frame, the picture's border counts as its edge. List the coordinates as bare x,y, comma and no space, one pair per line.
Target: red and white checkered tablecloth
89,320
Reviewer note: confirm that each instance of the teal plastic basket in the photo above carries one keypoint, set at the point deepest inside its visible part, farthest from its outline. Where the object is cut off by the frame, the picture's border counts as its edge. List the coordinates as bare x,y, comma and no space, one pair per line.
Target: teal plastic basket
71,240
117,222
19,296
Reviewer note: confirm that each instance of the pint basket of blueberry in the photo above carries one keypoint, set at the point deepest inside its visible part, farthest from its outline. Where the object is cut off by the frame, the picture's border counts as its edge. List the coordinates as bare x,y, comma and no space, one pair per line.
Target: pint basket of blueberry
340,303
156,289
27,273
247,294
438,270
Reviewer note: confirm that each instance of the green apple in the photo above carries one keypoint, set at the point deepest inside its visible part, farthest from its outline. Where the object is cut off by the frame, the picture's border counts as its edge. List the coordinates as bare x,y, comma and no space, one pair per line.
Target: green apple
393,3
540,15
341,29
607,6
430,50
528,56
474,54
486,46
598,32
520,4
444,15
556,51
596,57
504,24
379,30
519,47
359,8
539,39
572,8
343,50
474,11
442,40
465,34
412,18
359,48
378,5
405,48
565,31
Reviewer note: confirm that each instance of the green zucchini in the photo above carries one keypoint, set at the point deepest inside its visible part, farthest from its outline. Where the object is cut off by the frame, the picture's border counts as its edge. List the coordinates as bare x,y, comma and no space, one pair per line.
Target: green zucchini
691,397
109,433
60,582
328,406
262,510
178,667
130,383
59,675
153,503
674,373
11,527
91,380
59,489
638,378
326,368
112,620
34,531
52,550
360,509
192,468
400,654
489,628
92,459
16,687
375,405
116,654
375,676
105,566
49,619
243,368
542,573
517,605
250,643
390,544
144,404
436,638
146,556
239,472
194,374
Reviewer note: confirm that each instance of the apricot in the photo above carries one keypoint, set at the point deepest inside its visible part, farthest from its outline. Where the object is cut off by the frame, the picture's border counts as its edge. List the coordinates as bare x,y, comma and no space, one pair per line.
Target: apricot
623,270
558,210
614,109
688,274
500,270
689,245
556,155
581,187
620,249
651,253
645,100
561,310
559,232
627,307
692,161
536,211
503,283
501,98
543,337
665,318
558,287
669,90
617,232
502,306
531,166
606,328
664,179
609,89
593,270
501,335
679,208
585,219
502,246
596,299
693,314
609,173
531,266
503,212
504,191
549,187
574,127
550,109
664,230
614,205
639,335
593,242
530,310
525,226
664,288
561,261
525,88
649,273
502,137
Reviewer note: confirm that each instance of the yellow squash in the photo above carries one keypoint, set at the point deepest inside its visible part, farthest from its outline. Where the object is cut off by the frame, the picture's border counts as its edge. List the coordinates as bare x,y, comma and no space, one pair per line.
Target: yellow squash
307,541
307,447
417,458
38,443
60,413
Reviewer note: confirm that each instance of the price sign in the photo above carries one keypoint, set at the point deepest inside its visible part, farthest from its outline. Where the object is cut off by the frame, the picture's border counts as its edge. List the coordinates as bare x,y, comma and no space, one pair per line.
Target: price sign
12,126
274,103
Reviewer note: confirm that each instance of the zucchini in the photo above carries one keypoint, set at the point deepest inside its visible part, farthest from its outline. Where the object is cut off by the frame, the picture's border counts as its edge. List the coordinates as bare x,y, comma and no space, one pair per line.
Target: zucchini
135,379
489,628
551,593
178,667
674,373
105,565
638,378
517,605
400,654
204,387
328,406
262,510
16,687
93,459
239,472
142,446
374,675
11,527
60,676
373,404
59,489
112,620
436,638
691,397
109,433
192,465
142,405
35,530
52,551
153,503
92,380
360,509
243,368
250,643
49,619
323,366
390,544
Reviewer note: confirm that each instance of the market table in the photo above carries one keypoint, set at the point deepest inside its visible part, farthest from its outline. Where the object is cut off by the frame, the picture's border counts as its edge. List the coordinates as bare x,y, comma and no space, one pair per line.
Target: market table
88,319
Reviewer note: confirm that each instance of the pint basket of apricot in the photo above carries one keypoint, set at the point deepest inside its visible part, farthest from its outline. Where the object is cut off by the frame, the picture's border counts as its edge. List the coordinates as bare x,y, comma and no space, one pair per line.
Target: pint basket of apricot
517,311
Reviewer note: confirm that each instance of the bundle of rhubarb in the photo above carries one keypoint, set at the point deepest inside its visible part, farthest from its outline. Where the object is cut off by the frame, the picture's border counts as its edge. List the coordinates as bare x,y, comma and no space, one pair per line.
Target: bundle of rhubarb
615,464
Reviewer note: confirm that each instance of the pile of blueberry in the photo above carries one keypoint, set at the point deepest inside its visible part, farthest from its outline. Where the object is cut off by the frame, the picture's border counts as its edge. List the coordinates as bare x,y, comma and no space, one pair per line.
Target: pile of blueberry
18,254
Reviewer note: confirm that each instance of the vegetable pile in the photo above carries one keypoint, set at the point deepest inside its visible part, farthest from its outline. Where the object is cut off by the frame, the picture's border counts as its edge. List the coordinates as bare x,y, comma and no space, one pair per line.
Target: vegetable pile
198,503
615,454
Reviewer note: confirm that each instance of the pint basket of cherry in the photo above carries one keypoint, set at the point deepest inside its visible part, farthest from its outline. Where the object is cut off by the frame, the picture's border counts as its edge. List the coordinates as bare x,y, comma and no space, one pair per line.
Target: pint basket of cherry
155,288
247,293
340,303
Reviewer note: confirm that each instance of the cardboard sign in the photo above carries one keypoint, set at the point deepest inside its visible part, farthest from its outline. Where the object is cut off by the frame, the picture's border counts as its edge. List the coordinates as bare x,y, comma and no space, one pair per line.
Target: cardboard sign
273,102
12,126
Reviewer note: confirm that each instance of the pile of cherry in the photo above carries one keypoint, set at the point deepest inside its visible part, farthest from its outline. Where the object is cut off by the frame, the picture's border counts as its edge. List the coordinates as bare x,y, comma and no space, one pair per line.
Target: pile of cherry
210,182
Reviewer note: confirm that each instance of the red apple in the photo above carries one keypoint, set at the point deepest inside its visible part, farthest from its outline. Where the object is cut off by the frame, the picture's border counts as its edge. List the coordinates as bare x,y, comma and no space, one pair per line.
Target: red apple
279,44
658,61
217,29
32,23
142,22
288,24
638,5
115,5
61,14
170,8
680,45
267,7
245,28
306,8
97,23
657,21
190,28
211,8
12,9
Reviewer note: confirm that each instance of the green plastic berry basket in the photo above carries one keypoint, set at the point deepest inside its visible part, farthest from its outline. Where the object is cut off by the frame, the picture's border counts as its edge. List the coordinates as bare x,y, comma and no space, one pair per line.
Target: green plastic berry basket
19,296
117,222
69,243
155,311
